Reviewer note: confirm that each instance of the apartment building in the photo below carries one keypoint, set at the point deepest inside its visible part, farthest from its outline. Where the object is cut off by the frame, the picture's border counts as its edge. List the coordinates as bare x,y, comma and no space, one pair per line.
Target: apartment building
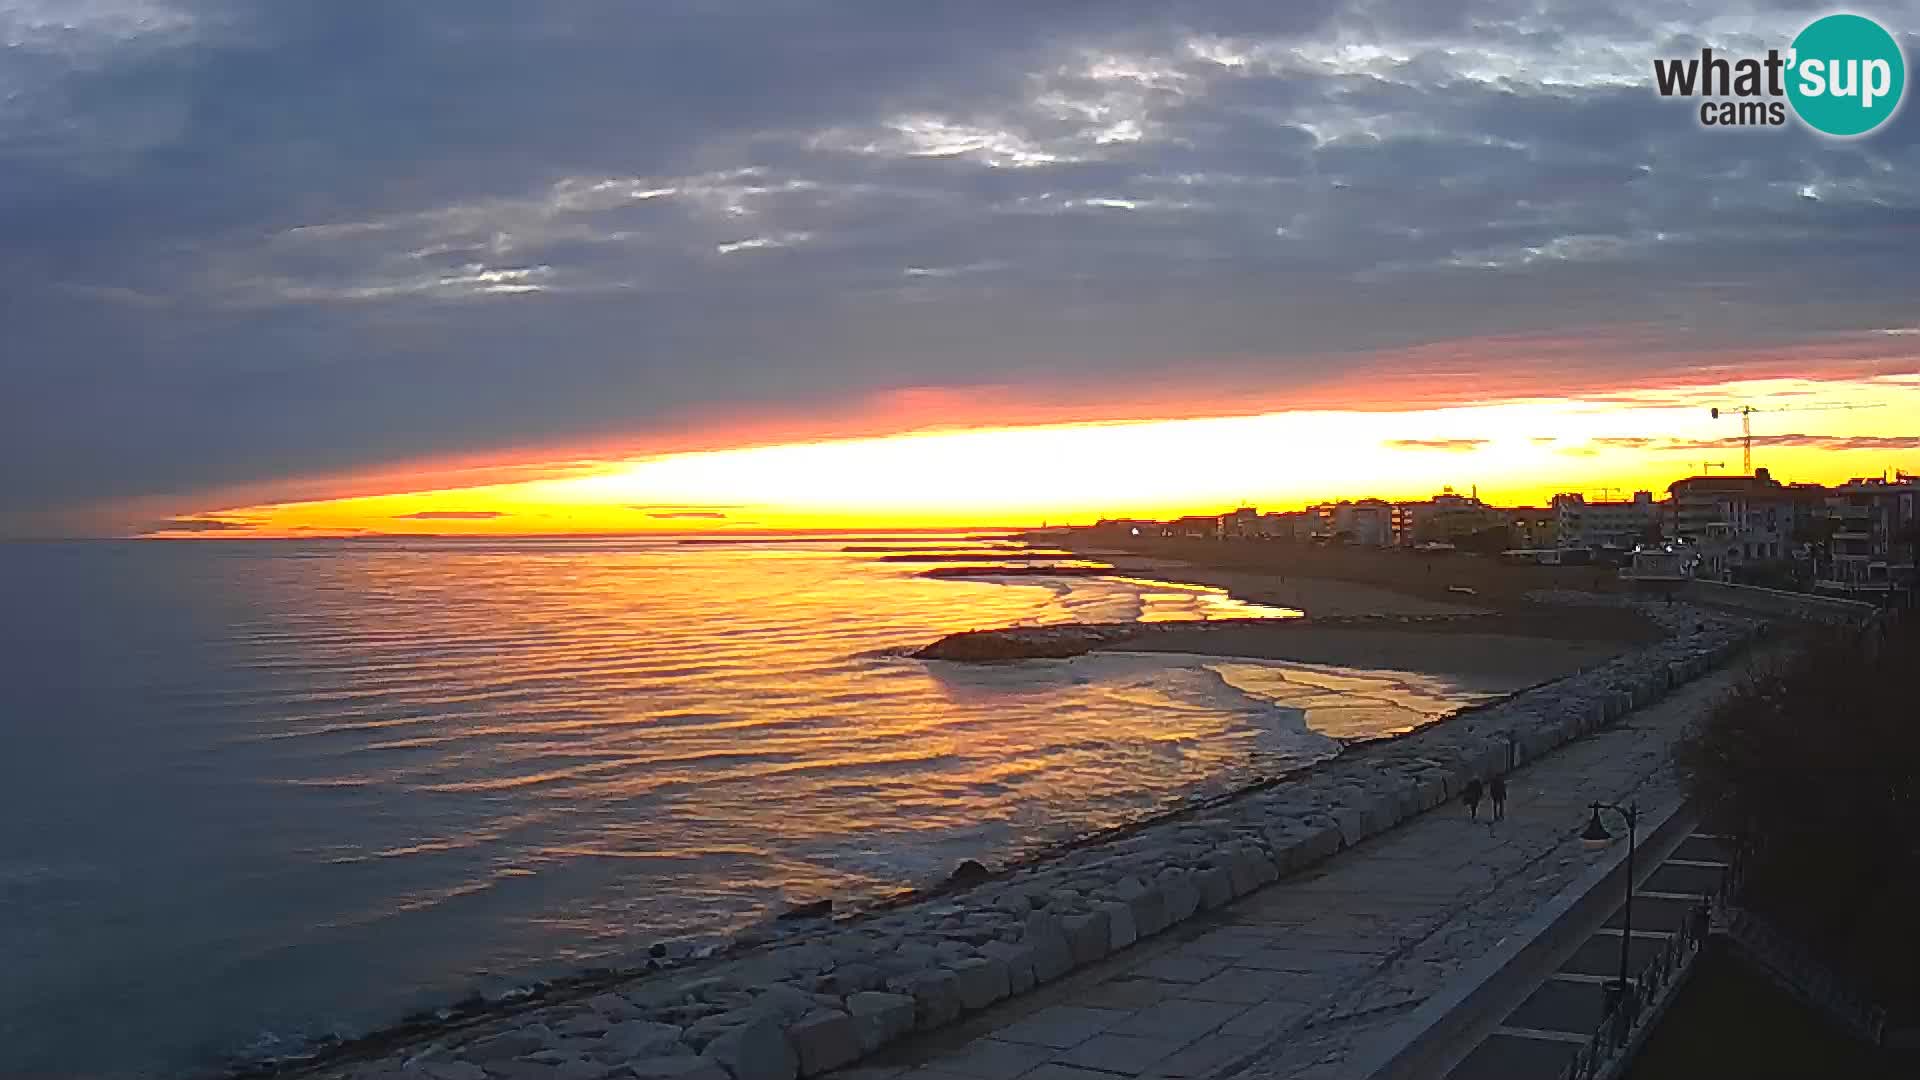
1603,524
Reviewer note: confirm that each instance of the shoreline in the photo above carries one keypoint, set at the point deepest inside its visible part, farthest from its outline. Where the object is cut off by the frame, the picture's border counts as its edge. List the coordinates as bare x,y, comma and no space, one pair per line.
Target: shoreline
1361,610
761,1008
475,1011
426,1031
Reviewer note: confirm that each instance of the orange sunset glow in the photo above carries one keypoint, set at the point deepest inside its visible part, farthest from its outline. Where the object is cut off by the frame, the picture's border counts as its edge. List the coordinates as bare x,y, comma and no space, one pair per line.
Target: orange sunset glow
1518,451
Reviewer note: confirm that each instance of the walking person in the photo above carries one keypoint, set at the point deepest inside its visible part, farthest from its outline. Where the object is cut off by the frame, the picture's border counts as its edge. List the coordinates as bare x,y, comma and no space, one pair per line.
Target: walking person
1497,789
1471,796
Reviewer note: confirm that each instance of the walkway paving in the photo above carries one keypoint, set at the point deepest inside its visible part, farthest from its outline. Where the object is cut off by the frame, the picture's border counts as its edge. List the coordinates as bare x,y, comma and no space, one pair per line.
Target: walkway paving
1293,980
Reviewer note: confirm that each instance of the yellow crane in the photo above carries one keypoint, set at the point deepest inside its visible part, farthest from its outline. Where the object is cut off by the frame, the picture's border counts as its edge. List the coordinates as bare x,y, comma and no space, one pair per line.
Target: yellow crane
1746,422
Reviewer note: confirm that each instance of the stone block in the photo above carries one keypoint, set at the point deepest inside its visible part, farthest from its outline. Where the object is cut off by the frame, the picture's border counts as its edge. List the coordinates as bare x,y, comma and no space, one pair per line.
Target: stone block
1493,755
981,981
1263,868
1241,871
936,999
642,1038
1409,801
613,1007
522,1069
1433,792
1320,844
510,1044
1183,896
703,1031
677,1067
1018,960
585,1022
1216,887
1149,910
879,1018
757,1050
824,1039
784,1000
850,978
1120,926
1086,936
1379,811
1052,954
1351,823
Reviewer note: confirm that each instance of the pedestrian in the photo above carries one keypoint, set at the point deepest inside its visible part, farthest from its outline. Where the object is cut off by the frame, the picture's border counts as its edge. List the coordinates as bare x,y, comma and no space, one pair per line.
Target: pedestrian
1472,797
1497,789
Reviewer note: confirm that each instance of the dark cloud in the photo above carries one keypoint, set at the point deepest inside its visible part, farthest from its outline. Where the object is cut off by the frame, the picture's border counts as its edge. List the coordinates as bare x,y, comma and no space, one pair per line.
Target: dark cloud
451,515
202,524
241,241
1820,442
685,515
1437,444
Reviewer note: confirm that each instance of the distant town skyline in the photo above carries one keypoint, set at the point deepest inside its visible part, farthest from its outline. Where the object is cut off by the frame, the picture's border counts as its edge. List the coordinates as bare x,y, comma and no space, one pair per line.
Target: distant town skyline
1075,474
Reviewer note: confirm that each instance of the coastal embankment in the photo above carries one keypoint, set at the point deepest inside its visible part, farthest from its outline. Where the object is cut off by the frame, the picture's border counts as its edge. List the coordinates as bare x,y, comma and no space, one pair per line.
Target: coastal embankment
804,996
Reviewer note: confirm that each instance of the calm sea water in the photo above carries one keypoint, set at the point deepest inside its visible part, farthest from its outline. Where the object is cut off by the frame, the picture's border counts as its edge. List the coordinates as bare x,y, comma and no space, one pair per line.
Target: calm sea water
254,791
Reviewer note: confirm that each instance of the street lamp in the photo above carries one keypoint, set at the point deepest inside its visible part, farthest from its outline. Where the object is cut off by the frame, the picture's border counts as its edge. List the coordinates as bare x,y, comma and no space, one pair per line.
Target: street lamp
1595,835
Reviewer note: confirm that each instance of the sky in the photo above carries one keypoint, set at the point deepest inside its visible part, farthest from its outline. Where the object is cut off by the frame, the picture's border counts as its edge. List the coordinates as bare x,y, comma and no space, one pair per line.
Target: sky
339,266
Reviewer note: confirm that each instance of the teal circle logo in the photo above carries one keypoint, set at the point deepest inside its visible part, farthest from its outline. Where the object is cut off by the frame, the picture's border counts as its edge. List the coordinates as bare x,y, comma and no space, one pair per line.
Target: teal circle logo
1847,75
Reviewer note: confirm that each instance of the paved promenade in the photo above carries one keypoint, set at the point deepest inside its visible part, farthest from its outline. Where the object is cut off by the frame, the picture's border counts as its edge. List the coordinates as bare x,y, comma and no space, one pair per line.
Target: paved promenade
1294,980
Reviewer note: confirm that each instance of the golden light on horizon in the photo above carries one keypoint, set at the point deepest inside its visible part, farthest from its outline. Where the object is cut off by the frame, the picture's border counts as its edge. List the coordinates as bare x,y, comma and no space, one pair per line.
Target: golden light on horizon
1515,452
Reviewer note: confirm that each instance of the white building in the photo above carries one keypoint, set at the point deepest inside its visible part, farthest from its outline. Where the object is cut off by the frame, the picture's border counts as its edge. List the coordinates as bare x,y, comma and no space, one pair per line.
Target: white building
1604,524
1368,522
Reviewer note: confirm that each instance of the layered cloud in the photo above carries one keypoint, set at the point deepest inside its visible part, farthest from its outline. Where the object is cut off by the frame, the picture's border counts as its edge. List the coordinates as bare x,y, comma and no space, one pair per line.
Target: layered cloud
246,243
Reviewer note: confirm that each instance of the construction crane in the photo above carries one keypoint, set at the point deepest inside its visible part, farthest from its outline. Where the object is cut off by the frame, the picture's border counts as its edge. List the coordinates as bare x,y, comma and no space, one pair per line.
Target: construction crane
1707,467
1746,423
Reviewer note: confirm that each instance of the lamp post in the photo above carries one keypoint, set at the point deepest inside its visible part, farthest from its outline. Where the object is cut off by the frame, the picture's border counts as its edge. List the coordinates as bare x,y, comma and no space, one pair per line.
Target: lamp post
1596,836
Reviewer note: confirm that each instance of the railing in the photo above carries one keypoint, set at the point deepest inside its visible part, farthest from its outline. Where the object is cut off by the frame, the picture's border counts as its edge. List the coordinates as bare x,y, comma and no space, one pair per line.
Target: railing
1637,1001
1792,965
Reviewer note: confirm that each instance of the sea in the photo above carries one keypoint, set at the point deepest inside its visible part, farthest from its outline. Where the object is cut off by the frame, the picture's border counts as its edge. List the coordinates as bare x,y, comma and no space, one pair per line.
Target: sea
258,792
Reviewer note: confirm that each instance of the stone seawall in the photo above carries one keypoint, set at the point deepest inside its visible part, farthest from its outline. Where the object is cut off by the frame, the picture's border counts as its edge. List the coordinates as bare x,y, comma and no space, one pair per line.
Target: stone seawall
812,1003
1803,607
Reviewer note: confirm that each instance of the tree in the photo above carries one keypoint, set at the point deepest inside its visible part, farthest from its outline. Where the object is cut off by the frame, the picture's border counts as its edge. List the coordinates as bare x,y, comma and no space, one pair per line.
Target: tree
1809,764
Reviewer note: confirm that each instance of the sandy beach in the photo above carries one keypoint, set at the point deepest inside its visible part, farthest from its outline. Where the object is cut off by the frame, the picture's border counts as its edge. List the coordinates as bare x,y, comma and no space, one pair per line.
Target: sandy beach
1319,597
1480,661
1382,610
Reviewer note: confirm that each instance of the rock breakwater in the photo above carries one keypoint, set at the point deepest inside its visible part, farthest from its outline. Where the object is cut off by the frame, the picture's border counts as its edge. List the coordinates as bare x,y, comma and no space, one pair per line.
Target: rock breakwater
1066,640
815,1001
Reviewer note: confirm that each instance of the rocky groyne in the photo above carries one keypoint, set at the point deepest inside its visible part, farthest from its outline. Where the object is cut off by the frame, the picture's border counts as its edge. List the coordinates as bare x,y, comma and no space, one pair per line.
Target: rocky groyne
1065,640
826,995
